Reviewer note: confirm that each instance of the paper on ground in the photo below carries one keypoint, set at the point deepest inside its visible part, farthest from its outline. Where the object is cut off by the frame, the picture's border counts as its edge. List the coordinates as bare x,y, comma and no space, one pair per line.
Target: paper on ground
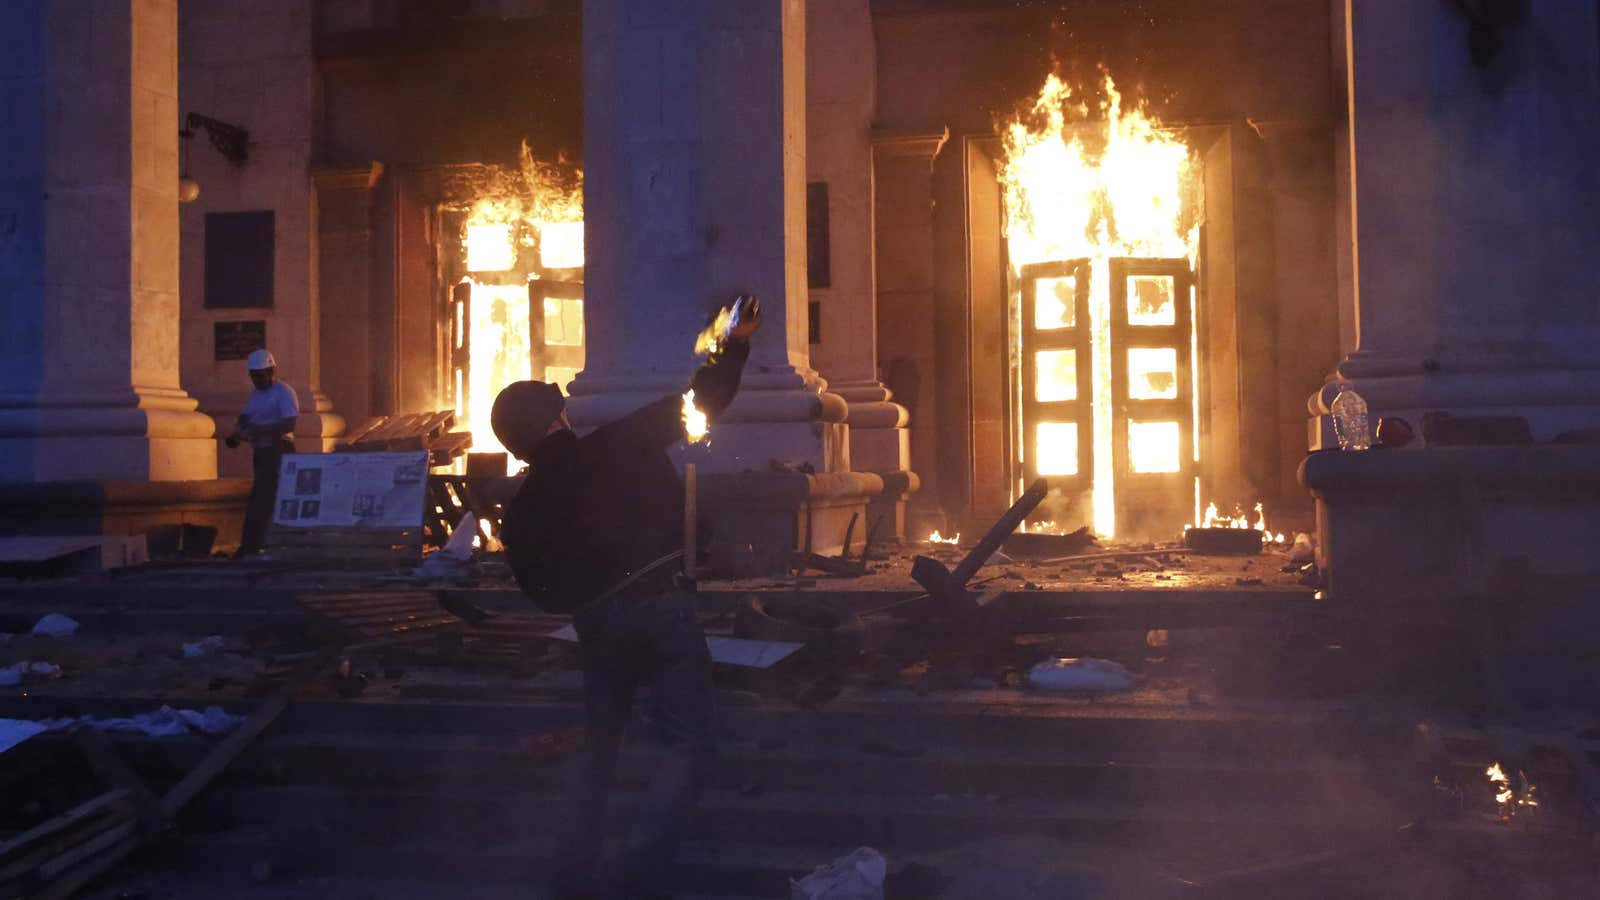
15,731
745,652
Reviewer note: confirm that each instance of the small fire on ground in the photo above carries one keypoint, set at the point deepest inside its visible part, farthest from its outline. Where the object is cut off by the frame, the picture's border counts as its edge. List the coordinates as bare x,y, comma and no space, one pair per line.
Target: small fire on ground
1511,800
937,538
1214,519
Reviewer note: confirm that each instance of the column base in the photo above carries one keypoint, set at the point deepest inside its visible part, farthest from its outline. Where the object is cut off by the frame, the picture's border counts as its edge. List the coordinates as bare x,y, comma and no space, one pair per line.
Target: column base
761,517
145,434
1554,397
880,442
1433,552
1399,527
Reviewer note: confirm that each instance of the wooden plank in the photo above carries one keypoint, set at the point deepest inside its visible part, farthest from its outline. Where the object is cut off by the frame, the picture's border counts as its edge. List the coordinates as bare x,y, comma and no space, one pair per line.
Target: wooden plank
365,429
74,880
437,424
107,763
224,753
110,802
331,537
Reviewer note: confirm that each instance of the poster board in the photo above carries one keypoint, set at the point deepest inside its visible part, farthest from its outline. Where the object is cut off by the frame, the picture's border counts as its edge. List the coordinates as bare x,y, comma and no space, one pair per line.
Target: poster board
360,491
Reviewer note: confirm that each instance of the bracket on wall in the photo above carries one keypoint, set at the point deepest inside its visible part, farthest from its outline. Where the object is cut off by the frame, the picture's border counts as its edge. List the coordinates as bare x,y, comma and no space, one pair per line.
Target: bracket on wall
232,141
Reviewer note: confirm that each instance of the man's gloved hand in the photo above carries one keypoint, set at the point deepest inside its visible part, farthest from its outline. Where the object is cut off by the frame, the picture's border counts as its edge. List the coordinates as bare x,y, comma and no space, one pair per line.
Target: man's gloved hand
749,319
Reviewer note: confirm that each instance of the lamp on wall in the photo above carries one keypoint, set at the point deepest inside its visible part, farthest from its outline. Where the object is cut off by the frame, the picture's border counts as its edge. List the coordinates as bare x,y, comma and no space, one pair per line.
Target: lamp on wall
232,141
188,188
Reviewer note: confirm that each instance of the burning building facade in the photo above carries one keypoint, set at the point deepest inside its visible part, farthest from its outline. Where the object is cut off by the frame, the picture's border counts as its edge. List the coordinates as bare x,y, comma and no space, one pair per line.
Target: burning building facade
1116,245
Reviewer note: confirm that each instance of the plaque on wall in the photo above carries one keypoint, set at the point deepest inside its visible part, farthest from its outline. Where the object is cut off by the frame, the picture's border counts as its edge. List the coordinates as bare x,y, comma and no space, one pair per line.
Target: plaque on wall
237,340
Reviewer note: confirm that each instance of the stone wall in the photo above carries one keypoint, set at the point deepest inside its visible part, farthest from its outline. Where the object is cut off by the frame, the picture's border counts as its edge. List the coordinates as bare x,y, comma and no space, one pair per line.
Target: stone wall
250,64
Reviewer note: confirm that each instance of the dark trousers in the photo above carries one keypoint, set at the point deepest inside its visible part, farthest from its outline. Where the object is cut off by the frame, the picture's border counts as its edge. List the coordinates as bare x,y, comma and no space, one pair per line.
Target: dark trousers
263,495
625,643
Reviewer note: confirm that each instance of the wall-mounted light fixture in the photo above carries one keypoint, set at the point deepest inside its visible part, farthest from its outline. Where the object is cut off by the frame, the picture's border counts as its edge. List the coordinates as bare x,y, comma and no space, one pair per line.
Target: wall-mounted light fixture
232,141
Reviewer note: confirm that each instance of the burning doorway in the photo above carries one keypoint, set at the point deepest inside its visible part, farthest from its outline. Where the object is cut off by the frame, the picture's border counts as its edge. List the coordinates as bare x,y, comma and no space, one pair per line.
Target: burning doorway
1101,211
513,279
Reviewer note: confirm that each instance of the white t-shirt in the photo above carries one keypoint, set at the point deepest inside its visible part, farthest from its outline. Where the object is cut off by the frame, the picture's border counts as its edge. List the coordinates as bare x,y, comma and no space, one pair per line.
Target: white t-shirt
274,404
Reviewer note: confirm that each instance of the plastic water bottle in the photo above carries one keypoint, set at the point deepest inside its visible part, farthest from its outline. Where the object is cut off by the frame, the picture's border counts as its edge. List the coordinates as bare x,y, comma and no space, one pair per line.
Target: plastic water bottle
1350,420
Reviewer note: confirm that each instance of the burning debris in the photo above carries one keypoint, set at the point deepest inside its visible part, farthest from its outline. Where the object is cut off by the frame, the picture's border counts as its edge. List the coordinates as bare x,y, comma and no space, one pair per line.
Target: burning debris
1213,519
937,538
1511,800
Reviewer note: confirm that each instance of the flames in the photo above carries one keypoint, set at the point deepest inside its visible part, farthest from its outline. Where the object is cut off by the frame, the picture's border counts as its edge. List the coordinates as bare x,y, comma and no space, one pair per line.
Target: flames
1096,179
1508,799
537,206
695,425
521,222
937,538
1214,519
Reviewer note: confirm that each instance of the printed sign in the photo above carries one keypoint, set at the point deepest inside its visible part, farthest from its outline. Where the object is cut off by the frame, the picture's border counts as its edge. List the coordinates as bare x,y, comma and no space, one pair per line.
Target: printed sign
352,490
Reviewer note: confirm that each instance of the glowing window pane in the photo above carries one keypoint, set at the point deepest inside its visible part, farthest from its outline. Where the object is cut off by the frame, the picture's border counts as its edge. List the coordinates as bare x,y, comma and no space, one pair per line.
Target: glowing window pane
1057,446
560,376
1153,373
1055,303
1151,300
563,322
489,248
561,245
461,325
1153,447
1058,375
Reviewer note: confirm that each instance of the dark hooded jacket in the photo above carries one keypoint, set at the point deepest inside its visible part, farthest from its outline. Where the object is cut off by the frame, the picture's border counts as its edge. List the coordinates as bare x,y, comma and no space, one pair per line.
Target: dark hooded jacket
595,509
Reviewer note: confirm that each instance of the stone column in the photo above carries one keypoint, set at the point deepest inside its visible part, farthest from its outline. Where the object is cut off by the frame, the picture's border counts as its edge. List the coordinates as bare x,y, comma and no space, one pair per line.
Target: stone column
1468,199
89,383
904,299
694,191
344,273
1468,222
841,85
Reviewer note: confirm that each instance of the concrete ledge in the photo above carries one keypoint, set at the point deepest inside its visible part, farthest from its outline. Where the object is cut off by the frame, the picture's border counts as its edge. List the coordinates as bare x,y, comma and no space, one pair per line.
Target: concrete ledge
1412,528
121,507
1560,468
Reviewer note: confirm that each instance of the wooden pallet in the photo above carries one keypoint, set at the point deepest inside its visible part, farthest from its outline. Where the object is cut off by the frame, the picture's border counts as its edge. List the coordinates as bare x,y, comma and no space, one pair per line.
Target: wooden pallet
348,547
411,431
451,497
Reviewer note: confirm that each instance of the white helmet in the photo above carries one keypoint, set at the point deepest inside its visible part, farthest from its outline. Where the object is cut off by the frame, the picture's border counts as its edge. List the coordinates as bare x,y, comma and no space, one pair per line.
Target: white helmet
259,360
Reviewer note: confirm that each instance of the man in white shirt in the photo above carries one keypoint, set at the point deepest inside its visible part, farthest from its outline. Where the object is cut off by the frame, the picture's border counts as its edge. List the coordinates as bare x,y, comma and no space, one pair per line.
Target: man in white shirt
267,423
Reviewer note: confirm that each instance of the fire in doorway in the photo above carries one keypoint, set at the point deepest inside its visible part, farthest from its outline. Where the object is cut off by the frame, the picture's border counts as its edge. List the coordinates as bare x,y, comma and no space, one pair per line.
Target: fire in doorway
1101,210
515,278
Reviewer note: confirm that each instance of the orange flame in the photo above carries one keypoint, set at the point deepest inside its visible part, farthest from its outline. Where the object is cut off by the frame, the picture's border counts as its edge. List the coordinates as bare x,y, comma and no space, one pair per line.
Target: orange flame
695,424
1081,187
